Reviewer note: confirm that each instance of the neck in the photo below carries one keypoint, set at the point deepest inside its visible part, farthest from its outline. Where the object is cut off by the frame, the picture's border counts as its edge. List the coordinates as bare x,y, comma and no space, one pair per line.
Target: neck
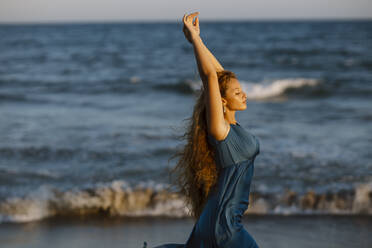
230,117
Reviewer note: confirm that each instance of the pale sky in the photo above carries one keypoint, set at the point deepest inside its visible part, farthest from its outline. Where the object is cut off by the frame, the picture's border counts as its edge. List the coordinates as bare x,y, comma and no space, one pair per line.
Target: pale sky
26,11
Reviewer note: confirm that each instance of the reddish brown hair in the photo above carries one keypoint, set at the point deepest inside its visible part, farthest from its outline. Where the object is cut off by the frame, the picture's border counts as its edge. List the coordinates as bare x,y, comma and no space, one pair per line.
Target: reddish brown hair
196,172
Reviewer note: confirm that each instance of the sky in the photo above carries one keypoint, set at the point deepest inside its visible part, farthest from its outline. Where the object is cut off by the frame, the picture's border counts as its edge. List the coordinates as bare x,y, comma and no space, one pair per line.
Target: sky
36,11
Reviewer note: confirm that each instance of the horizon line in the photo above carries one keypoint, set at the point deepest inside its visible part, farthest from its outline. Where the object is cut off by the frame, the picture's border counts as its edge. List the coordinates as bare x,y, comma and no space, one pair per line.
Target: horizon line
92,21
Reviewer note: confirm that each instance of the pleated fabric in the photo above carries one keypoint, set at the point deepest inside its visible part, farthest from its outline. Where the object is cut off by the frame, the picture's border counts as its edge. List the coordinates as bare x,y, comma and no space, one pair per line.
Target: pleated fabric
219,225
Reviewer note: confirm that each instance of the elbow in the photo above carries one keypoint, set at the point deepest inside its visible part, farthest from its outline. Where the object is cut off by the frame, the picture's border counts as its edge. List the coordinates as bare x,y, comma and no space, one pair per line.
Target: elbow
209,76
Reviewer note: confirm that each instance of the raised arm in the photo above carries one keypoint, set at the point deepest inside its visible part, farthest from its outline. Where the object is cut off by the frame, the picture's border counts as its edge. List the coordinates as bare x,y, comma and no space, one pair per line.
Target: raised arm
215,62
217,66
207,66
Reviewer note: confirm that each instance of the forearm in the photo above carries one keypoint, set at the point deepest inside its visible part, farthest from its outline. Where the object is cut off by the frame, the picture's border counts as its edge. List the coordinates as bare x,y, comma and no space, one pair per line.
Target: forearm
203,58
217,66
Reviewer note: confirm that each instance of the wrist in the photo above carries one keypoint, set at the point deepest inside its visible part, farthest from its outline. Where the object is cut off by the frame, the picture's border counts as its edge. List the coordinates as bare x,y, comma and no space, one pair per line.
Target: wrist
195,38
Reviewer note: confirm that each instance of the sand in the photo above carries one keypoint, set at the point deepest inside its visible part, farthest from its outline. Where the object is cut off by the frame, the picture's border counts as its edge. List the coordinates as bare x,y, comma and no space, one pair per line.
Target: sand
269,231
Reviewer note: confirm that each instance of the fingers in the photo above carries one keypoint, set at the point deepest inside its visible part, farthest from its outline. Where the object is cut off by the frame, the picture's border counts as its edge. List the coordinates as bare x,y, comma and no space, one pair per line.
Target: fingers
196,22
192,15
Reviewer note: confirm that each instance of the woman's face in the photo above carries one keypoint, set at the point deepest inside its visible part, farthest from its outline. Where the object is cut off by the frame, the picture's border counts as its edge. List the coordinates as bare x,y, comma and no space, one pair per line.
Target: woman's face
236,98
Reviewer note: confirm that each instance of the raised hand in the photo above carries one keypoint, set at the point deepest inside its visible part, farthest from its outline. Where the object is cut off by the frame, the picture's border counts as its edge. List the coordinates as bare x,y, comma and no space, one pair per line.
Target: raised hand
191,27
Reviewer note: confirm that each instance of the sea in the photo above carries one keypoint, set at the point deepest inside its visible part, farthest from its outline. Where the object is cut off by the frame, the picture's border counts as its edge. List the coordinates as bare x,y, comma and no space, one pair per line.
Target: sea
90,114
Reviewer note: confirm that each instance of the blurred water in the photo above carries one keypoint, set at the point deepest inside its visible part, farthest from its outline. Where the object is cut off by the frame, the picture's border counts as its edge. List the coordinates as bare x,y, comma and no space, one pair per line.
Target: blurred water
87,104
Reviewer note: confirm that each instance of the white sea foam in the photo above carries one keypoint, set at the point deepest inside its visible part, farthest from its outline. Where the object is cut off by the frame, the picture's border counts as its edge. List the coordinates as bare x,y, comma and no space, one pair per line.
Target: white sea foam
119,198
266,89
274,88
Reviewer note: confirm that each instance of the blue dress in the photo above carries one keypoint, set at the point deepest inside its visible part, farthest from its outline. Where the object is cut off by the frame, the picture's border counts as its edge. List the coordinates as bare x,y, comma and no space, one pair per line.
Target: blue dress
219,225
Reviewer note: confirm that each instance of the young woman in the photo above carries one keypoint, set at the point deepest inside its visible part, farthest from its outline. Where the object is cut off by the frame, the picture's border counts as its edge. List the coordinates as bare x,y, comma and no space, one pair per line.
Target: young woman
216,166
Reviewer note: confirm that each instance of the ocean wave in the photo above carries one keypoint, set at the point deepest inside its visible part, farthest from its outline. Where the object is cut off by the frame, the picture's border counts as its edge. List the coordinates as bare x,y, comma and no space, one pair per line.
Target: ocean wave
65,85
255,90
43,153
14,97
119,198
48,153
33,173
182,87
275,88
301,51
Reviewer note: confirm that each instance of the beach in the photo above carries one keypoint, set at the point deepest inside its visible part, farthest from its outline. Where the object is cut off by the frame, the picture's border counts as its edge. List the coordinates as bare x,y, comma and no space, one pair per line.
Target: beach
268,231
91,114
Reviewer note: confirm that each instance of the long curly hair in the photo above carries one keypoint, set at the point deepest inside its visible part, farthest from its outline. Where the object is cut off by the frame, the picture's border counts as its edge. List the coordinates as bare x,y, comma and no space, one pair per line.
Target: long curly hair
196,171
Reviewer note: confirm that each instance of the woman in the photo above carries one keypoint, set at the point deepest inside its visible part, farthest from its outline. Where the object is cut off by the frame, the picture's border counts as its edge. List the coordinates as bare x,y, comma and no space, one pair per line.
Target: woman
216,167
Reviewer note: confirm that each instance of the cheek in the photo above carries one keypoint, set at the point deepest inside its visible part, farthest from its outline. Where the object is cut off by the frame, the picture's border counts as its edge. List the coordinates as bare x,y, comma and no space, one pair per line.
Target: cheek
237,100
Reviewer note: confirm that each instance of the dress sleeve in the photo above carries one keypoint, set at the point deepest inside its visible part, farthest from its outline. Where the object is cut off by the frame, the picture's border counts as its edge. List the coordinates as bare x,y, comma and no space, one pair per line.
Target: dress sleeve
215,142
238,145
